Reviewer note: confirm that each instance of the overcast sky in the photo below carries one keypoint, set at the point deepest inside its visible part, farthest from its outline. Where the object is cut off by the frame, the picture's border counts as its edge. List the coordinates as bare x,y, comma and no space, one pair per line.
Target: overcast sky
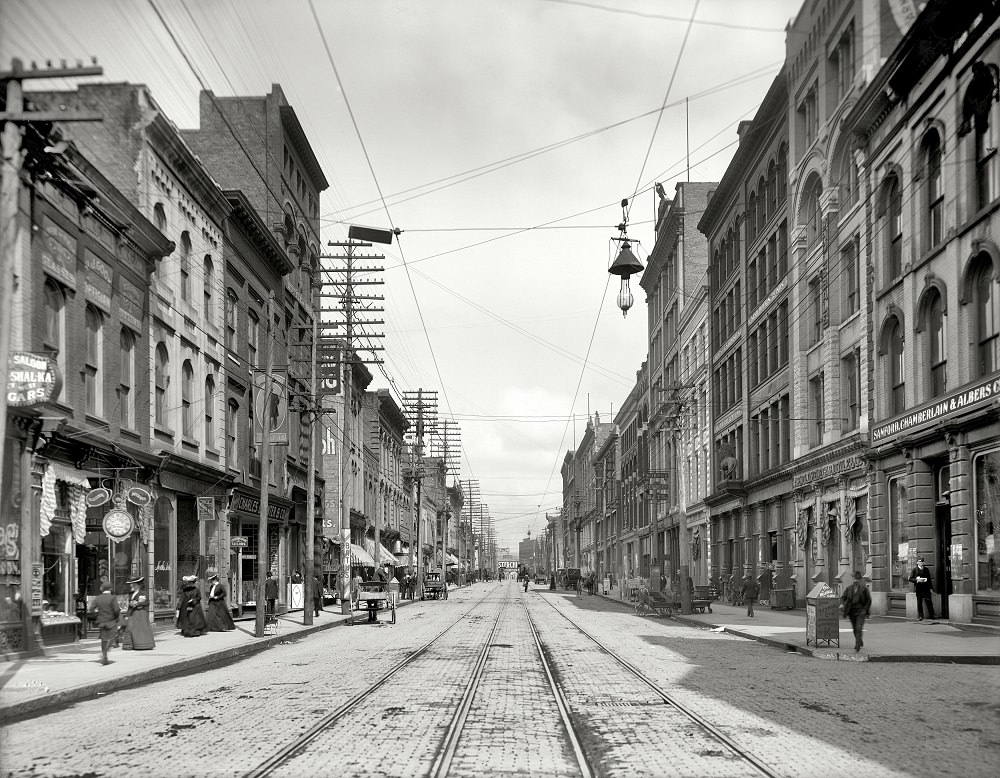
501,137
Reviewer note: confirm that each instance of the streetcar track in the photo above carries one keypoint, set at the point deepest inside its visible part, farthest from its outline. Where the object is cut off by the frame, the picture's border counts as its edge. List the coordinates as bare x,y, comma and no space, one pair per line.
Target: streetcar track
446,751
298,746
664,695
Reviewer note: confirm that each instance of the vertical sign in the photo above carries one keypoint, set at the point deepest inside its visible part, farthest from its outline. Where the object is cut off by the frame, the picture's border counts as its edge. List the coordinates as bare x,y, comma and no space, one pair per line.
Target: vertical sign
36,588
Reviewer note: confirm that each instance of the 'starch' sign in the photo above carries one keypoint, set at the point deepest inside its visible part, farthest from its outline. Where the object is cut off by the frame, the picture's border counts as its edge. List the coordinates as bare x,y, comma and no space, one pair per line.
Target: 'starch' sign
978,393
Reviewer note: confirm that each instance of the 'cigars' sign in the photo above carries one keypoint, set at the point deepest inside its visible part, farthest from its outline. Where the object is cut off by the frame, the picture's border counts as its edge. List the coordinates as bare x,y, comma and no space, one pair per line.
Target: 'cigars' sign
32,379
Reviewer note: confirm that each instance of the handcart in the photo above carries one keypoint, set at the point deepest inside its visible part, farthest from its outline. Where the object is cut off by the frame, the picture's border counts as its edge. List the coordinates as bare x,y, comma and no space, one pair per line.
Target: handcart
374,596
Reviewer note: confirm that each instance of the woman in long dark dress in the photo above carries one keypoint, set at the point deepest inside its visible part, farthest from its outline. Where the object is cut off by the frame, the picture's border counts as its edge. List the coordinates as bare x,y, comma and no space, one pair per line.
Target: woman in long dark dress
218,617
190,614
138,634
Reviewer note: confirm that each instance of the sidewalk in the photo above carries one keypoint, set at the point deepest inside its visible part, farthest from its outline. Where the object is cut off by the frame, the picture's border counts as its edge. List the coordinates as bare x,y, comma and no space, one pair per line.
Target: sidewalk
74,672
886,639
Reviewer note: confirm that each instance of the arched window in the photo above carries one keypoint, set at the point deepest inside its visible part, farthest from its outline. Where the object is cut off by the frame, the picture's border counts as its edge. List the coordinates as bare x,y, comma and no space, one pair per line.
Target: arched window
210,412
232,422
987,313
160,220
772,187
187,393
93,359
782,171
209,269
987,174
751,217
892,353
160,383
126,380
892,228
185,266
231,303
937,355
811,210
761,205
933,191
848,183
55,324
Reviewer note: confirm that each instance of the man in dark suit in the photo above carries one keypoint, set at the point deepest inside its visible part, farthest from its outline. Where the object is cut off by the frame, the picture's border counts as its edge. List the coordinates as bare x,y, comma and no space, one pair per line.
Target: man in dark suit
105,611
921,580
271,592
317,595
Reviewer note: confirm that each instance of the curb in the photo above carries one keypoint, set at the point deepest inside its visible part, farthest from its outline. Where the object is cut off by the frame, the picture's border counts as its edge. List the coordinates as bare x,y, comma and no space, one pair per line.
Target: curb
64,697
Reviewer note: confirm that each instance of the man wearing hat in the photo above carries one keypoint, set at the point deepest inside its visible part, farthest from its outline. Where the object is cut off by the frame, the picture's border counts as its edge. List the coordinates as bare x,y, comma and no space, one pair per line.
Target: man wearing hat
105,611
857,602
921,580
138,631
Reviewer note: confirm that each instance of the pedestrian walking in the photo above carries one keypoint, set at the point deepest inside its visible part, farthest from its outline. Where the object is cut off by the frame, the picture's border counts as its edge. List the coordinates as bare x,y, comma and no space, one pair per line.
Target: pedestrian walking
271,592
751,590
190,614
355,590
525,583
218,617
857,602
138,631
105,611
317,595
663,582
920,577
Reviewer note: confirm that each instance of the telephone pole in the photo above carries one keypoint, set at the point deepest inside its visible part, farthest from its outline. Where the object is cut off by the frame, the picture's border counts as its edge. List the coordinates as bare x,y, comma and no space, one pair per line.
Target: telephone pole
15,120
422,406
347,326
262,409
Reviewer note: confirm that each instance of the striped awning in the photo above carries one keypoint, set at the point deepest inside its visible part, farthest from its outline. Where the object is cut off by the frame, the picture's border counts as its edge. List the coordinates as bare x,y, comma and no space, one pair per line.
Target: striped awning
359,556
385,556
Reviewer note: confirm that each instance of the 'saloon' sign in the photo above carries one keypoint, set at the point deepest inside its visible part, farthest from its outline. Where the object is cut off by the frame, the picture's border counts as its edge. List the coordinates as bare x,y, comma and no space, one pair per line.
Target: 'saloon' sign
32,379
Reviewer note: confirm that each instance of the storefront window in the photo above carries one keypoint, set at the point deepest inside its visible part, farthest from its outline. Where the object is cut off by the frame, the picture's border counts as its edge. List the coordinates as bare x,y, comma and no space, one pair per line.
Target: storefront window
987,502
899,534
188,538
163,593
56,570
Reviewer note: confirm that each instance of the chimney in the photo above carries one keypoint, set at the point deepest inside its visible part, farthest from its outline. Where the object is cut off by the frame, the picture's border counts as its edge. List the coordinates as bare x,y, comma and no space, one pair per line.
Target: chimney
742,128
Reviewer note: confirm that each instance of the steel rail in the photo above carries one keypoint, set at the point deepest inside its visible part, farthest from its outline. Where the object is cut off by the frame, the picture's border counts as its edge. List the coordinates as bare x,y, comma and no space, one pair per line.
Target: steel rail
669,699
288,752
561,702
446,751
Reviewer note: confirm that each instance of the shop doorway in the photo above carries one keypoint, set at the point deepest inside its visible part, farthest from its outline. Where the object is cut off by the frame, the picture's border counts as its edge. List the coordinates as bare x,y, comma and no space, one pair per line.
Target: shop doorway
942,575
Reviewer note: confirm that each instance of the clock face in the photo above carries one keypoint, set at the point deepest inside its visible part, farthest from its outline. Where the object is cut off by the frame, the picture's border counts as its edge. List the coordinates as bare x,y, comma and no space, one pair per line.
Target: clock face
118,524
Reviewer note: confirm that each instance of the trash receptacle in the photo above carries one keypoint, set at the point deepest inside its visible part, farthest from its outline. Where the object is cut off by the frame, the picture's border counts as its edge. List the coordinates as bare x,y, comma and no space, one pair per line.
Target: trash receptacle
822,616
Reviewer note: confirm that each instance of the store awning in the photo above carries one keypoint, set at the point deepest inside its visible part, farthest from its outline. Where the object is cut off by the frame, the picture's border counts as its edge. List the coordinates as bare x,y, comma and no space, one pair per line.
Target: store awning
452,559
361,557
385,556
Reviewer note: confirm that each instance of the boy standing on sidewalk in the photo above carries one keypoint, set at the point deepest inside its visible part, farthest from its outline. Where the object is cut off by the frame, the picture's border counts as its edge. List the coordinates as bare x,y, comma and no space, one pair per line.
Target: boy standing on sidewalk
751,590
106,611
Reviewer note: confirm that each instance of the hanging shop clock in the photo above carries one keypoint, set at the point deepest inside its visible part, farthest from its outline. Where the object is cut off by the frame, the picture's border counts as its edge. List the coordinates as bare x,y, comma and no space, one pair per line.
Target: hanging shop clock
117,524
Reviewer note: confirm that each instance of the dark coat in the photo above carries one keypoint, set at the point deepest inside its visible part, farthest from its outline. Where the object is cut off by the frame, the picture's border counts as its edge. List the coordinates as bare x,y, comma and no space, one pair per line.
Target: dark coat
856,599
138,631
750,589
191,616
217,616
270,589
105,609
921,587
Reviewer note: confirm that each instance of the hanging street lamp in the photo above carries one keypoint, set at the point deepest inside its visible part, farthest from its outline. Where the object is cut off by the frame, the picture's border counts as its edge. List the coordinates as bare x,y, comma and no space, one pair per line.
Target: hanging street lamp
626,264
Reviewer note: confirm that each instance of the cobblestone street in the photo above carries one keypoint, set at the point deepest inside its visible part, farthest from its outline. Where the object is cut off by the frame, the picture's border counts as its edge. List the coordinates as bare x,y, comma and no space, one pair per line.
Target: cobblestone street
796,715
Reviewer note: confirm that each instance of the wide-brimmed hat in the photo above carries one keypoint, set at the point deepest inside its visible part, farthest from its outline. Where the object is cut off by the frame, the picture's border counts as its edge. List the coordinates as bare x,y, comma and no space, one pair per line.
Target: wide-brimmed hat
213,577
137,580
920,561
189,578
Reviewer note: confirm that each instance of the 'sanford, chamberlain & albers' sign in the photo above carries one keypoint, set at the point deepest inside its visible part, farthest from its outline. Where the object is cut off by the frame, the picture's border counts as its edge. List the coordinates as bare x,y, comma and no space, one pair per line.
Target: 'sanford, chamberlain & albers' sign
978,393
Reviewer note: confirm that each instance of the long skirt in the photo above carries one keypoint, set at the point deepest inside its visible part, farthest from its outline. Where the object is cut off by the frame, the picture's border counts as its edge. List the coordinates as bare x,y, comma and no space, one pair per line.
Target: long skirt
138,635
194,625
218,618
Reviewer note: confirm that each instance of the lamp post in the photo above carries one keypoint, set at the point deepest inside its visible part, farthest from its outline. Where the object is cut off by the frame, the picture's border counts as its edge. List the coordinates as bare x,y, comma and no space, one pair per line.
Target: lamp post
626,264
